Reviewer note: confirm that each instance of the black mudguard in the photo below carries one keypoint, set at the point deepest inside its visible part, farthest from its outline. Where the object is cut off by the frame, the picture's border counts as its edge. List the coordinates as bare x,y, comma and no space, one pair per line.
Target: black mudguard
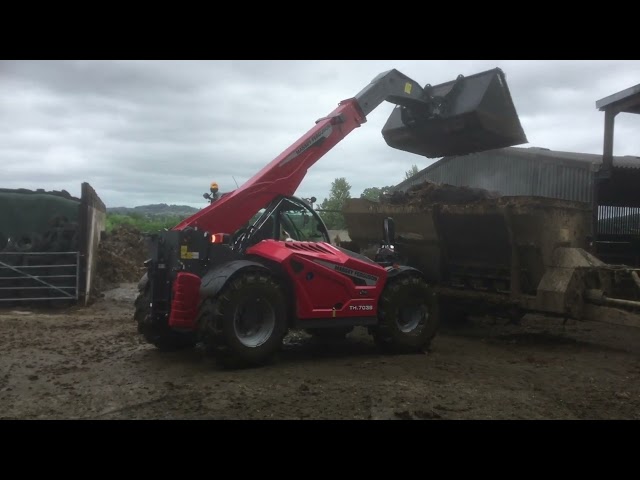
395,272
215,279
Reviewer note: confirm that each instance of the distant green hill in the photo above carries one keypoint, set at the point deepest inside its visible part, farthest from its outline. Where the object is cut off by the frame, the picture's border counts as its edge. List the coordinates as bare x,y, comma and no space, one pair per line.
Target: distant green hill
148,218
158,209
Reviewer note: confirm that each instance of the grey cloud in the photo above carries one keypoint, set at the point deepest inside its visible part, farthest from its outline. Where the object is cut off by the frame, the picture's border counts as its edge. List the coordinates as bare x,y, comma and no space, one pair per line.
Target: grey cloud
147,132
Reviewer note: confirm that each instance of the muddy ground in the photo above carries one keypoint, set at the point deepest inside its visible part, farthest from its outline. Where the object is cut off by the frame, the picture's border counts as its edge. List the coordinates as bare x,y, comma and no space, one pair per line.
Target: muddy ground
89,363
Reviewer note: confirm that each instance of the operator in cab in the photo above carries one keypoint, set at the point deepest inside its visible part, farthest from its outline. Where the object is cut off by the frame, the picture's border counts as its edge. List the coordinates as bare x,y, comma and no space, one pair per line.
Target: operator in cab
213,194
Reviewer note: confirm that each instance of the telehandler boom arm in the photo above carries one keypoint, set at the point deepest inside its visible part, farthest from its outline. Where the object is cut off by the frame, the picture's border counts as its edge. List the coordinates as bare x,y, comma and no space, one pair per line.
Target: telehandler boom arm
432,121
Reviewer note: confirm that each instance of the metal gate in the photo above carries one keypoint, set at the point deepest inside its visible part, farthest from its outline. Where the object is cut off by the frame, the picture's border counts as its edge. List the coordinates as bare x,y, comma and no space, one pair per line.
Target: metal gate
37,276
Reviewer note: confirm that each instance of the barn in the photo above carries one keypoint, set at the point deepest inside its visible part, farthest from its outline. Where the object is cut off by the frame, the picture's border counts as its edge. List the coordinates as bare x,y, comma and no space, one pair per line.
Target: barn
554,174
522,171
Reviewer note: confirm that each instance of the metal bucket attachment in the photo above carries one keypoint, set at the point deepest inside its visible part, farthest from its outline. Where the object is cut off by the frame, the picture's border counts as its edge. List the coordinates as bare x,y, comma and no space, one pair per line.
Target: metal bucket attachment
467,115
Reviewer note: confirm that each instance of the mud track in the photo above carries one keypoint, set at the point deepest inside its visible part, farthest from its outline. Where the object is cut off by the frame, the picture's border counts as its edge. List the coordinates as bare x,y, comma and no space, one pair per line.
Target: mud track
90,363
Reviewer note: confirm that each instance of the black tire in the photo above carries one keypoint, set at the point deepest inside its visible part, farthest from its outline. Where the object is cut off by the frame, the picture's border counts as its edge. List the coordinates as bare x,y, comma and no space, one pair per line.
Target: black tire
228,325
161,337
337,333
408,316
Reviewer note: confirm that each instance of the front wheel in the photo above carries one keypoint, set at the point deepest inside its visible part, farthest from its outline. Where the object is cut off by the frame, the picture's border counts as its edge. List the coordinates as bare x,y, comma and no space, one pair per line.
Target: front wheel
408,316
246,323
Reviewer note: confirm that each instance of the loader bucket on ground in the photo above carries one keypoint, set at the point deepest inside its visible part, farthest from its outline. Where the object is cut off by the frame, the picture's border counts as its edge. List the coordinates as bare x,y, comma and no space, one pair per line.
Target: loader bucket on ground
467,115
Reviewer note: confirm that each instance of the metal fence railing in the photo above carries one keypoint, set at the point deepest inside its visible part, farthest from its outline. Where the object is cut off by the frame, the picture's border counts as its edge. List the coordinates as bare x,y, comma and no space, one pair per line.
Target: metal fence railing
37,276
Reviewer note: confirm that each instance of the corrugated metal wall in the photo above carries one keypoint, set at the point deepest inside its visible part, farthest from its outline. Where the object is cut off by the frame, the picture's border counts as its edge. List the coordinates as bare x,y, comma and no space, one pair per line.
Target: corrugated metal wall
618,220
513,175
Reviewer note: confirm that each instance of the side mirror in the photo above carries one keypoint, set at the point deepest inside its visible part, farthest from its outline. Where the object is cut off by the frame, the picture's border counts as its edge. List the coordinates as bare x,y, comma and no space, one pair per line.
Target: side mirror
389,231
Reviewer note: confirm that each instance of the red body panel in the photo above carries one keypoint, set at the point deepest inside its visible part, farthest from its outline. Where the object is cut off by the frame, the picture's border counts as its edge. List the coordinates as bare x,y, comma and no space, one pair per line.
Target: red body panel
321,291
280,177
323,278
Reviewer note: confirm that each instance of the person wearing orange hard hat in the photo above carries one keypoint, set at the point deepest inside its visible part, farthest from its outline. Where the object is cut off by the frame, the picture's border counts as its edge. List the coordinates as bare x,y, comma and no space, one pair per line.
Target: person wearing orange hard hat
214,195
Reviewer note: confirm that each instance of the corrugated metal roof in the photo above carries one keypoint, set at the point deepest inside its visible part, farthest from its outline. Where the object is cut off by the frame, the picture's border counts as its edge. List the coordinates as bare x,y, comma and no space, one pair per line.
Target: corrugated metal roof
626,161
533,154
527,171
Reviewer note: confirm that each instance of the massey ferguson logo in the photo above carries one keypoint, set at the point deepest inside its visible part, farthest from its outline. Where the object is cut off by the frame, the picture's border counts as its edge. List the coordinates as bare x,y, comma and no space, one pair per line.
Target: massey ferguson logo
316,138
355,273
368,278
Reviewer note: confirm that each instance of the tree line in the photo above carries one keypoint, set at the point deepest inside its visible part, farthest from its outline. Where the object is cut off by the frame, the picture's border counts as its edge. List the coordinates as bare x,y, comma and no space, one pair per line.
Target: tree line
331,208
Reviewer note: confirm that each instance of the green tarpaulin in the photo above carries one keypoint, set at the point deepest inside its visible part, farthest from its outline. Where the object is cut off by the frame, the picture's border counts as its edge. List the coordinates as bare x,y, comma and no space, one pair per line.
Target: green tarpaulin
30,214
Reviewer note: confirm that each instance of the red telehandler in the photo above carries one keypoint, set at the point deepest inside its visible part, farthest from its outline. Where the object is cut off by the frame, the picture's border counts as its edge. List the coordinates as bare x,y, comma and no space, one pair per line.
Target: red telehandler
237,275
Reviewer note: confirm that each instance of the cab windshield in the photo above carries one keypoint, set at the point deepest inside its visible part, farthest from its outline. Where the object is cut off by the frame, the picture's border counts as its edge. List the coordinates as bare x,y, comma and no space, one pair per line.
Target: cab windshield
289,220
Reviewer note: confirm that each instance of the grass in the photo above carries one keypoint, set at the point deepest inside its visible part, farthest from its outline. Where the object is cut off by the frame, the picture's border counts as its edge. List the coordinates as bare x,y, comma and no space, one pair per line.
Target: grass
143,223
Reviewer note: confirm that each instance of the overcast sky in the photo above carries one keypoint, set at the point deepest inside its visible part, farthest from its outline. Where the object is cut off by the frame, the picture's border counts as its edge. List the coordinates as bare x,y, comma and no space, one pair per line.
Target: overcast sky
145,132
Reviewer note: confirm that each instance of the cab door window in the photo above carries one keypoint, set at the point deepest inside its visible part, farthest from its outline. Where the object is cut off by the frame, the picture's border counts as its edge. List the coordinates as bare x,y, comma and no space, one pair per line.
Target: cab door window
298,222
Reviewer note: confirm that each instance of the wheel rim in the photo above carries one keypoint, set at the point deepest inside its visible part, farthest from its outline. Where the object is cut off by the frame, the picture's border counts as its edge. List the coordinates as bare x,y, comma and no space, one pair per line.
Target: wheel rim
412,318
254,322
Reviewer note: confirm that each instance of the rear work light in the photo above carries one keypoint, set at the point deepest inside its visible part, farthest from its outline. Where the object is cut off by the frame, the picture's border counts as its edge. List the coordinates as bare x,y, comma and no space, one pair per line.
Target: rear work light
220,238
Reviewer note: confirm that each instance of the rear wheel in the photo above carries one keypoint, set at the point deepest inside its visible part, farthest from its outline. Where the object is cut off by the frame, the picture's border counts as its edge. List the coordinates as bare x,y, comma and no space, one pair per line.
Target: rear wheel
408,316
246,323
161,337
